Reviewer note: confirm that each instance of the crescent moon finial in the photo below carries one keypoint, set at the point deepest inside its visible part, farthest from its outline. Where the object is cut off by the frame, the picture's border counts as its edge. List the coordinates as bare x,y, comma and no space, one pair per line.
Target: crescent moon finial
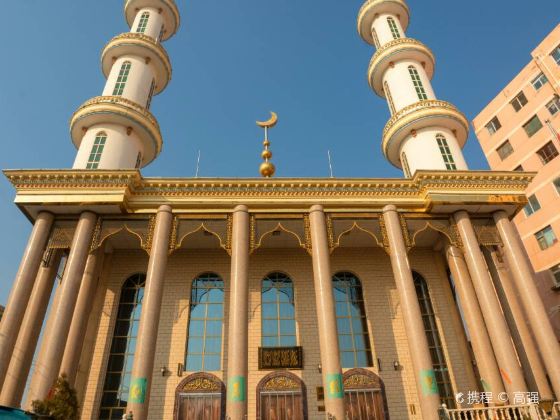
270,123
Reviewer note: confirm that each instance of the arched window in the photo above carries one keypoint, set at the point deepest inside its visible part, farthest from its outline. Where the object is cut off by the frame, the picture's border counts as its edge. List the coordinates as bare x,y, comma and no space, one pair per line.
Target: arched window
434,341
281,395
138,160
364,395
151,94
200,396
389,97
143,23
122,78
394,29
446,152
96,150
420,91
351,322
406,168
206,316
123,345
374,37
278,311
161,32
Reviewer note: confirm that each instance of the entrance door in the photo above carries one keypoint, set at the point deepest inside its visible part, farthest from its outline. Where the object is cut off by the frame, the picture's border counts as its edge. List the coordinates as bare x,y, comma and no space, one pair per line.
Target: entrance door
205,406
281,406
364,405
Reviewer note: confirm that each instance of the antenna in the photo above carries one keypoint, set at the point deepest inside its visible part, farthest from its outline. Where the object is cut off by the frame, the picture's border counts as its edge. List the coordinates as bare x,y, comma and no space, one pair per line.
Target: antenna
197,164
330,163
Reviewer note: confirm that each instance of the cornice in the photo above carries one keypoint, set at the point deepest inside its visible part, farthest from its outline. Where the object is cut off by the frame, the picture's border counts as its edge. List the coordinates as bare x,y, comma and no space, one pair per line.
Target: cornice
81,188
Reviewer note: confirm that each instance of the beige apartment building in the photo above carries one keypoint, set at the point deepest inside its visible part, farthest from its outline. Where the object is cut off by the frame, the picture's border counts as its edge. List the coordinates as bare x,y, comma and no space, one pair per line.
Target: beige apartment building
519,130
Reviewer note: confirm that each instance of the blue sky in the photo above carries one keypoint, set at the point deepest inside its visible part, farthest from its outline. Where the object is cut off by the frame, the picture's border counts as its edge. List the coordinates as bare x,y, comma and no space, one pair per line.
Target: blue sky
233,62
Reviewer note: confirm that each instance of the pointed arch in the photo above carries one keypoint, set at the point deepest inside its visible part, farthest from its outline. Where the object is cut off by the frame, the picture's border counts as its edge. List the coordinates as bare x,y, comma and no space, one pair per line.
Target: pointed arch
364,395
355,228
279,228
278,312
200,395
281,395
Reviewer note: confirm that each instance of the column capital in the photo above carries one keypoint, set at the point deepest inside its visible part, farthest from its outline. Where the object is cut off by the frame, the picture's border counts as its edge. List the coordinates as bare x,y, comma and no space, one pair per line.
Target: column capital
316,207
241,208
390,207
165,208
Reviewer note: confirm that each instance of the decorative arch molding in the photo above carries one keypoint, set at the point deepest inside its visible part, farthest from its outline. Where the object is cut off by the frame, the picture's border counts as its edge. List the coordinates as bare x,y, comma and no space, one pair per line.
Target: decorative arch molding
200,383
278,228
356,228
449,232
281,381
202,228
140,229
366,380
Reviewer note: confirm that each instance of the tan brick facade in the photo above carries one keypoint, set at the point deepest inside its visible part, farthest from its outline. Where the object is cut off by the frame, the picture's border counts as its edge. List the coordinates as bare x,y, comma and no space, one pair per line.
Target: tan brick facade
386,329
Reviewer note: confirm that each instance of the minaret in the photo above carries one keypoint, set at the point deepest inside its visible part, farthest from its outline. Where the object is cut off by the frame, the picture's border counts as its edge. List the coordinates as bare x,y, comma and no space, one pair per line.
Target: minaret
117,130
423,132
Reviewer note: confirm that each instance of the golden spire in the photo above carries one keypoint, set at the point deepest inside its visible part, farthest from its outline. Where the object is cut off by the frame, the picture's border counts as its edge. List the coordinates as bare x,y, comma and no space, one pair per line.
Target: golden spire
267,169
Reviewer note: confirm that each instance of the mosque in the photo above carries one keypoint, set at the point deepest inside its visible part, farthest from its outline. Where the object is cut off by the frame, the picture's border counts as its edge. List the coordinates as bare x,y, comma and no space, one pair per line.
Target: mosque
276,298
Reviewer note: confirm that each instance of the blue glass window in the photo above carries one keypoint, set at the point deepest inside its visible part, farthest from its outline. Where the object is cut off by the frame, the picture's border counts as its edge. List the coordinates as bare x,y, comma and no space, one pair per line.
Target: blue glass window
278,311
353,337
206,318
434,341
123,345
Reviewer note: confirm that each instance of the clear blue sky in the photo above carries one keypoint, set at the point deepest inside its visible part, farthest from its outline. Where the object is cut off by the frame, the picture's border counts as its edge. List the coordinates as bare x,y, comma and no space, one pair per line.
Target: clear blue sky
233,61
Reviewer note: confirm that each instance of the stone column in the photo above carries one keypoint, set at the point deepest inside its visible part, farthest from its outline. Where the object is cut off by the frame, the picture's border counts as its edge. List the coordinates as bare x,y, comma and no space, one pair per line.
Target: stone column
14,385
522,338
532,303
238,337
482,347
47,372
143,366
426,385
326,314
490,305
78,328
21,290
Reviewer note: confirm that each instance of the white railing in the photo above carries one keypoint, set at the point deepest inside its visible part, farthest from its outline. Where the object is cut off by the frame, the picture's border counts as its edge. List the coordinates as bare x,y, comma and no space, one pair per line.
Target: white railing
508,412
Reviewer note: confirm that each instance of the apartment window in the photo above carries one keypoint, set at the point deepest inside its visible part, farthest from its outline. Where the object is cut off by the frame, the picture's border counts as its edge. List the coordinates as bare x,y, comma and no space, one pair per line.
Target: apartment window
122,78
556,55
204,346
519,168
555,271
352,329
494,125
547,153
546,238
394,29
151,94
532,206
519,101
532,126
123,346
143,23
278,313
505,149
554,105
557,185
96,150
446,153
406,168
389,97
539,81
420,91
443,381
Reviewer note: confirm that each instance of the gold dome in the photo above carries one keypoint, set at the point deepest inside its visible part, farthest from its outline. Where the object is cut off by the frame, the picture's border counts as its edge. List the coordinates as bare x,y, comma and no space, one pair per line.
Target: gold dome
267,169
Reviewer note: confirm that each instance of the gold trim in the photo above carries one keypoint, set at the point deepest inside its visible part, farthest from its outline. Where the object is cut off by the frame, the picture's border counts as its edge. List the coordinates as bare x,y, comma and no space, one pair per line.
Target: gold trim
368,8
172,7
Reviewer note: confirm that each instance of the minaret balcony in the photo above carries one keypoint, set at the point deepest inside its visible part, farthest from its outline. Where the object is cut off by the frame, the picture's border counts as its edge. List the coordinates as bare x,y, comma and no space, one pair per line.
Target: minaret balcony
420,115
372,8
119,111
139,45
395,51
167,8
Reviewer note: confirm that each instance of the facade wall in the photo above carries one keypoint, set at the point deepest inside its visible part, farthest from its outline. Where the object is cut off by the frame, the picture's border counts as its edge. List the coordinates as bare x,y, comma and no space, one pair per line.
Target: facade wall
525,156
385,324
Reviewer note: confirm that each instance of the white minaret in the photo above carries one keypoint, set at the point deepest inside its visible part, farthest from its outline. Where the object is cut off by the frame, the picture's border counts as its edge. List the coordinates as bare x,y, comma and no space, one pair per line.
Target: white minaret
117,130
423,132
